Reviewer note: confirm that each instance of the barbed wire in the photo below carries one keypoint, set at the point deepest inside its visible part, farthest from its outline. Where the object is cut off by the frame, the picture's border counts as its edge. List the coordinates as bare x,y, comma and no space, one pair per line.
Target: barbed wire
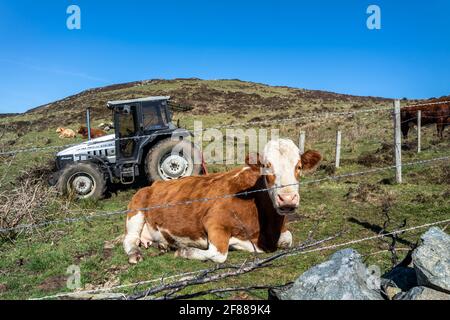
313,116
128,285
426,104
381,235
167,205
291,119
181,130
325,115
424,117
192,273
207,199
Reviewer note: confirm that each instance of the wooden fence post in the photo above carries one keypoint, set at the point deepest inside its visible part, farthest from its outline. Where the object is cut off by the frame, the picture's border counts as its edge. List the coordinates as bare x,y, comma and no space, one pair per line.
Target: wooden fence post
397,142
301,142
419,131
338,148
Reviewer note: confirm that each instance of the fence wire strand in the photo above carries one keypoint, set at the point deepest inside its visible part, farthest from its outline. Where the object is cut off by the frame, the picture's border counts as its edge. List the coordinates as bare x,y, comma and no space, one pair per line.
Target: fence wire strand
207,199
193,273
427,104
324,115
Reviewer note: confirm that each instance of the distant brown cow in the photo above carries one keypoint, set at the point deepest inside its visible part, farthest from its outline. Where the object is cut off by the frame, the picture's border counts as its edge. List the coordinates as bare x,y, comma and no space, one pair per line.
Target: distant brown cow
205,230
95,133
434,113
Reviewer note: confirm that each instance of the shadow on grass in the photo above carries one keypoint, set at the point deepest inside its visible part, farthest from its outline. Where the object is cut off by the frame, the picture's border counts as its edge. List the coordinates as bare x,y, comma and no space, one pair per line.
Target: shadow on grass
378,229
114,188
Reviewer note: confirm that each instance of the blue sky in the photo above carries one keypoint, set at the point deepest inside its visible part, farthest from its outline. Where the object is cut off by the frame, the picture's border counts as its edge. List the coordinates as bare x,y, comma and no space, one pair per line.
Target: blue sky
307,44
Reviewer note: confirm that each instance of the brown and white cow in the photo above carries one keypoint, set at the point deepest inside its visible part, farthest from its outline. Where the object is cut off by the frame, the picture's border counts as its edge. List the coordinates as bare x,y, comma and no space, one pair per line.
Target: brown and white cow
205,230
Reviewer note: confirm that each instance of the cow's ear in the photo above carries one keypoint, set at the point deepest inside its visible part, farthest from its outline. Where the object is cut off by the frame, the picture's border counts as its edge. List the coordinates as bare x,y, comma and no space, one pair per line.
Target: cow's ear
253,160
310,160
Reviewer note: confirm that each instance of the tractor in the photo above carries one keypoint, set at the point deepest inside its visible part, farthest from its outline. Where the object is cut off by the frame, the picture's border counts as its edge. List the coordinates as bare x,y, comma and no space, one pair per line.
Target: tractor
146,144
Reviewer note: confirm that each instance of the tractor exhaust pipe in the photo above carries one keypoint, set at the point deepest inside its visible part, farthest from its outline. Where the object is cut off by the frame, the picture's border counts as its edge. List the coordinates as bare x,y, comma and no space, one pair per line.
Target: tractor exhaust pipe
88,122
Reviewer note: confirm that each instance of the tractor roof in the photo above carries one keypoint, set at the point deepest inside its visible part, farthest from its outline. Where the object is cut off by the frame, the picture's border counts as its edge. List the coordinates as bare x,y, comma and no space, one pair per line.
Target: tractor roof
112,104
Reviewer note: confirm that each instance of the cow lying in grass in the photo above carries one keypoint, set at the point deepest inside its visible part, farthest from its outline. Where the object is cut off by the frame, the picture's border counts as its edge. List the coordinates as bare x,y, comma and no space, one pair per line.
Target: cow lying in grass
205,230
95,133
65,133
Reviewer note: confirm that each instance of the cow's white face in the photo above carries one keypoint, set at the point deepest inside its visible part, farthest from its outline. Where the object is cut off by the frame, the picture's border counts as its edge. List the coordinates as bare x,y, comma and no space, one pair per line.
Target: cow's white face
282,167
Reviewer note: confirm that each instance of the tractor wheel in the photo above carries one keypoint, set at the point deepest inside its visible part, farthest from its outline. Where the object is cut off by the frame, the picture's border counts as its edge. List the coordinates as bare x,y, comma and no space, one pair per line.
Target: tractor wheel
169,159
83,181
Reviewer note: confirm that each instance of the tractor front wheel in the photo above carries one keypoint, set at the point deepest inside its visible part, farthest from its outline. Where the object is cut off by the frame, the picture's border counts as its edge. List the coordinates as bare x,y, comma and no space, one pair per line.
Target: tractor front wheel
82,181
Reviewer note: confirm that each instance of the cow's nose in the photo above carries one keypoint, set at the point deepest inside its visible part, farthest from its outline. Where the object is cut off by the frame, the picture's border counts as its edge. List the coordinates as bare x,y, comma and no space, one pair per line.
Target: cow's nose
287,199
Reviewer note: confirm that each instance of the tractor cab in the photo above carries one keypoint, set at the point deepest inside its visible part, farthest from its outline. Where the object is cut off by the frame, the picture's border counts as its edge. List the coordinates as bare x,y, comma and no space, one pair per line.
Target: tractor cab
135,120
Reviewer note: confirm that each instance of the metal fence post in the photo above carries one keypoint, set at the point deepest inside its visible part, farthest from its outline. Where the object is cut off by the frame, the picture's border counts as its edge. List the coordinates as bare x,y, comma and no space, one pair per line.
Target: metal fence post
397,142
338,148
301,142
419,131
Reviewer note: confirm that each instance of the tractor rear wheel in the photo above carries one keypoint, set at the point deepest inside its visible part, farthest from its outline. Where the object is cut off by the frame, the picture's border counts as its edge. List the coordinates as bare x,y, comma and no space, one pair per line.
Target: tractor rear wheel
82,181
171,159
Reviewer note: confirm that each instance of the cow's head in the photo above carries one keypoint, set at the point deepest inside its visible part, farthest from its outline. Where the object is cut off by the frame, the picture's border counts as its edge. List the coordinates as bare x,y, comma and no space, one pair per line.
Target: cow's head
282,166
82,130
405,119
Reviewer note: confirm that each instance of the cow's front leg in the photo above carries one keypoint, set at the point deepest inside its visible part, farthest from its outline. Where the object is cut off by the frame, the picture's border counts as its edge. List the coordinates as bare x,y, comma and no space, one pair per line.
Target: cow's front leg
146,238
212,254
218,241
245,245
135,223
285,240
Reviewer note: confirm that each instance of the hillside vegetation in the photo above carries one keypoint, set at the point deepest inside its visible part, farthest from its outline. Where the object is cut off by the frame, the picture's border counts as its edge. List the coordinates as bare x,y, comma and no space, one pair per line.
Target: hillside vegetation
33,262
232,97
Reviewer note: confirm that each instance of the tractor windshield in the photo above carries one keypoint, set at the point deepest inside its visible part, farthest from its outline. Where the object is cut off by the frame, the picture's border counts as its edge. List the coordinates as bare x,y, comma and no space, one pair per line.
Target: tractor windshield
154,115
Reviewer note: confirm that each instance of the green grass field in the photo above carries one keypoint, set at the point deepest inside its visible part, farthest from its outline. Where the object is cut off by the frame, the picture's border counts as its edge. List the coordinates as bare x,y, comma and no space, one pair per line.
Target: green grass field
34,262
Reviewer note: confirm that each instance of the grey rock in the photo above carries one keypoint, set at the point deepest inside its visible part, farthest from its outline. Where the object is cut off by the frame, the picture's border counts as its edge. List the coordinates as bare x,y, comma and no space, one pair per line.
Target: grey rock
422,293
277,293
343,277
432,260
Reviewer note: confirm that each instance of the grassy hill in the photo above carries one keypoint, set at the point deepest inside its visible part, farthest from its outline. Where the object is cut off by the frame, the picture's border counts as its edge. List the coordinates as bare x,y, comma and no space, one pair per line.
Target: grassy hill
33,263
233,97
